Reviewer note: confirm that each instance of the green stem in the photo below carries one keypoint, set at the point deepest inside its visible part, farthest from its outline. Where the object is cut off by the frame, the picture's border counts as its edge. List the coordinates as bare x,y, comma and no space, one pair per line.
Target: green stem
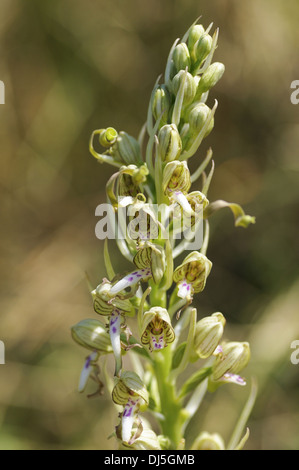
171,406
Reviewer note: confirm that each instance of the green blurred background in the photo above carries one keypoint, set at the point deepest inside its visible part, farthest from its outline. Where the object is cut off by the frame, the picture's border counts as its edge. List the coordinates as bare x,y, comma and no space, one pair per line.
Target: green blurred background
72,66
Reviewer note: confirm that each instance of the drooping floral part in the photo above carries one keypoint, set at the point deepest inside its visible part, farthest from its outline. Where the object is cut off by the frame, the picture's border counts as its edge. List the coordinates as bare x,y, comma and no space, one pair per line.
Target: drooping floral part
130,280
157,331
192,274
89,366
114,331
129,391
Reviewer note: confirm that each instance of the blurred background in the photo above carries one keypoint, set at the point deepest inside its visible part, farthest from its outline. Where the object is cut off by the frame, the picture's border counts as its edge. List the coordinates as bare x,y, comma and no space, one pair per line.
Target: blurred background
70,67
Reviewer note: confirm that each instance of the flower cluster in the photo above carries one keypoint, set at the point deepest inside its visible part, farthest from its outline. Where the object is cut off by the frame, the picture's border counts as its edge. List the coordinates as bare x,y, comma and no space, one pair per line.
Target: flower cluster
152,171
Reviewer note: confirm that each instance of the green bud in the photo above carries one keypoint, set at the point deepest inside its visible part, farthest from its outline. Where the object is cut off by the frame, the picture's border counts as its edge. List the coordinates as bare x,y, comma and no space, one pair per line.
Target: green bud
156,330
195,32
189,87
181,57
161,103
234,357
197,117
176,177
151,256
170,143
107,137
92,334
207,441
126,149
208,333
210,77
202,49
128,385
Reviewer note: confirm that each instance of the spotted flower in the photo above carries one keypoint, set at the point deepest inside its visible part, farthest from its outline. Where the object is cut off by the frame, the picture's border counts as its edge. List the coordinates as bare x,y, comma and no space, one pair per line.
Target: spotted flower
157,331
192,274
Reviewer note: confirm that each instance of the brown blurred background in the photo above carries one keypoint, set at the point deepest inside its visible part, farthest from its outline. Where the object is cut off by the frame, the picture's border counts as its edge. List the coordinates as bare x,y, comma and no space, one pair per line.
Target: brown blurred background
70,67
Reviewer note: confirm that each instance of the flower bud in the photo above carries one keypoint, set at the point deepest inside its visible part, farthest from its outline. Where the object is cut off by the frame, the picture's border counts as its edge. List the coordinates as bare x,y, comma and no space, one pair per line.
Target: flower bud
210,77
208,333
126,149
156,330
192,274
207,441
195,33
181,57
161,103
176,177
170,143
90,366
151,256
129,385
92,334
202,49
234,357
107,137
197,118
189,87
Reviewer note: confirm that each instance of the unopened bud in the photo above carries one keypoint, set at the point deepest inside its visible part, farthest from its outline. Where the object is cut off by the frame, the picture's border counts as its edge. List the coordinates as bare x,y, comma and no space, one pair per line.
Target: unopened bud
234,357
126,149
92,334
181,57
208,333
202,49
195,32
207,441
170,143
161,103
108,137
190,84
210,77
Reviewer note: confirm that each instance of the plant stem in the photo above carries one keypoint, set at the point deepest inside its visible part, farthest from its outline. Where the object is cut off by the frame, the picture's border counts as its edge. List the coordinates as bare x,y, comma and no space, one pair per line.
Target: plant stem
171,406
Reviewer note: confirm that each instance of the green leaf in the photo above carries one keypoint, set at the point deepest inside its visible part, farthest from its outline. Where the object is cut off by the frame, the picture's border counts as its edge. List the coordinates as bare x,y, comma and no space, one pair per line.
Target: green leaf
178,355
195,380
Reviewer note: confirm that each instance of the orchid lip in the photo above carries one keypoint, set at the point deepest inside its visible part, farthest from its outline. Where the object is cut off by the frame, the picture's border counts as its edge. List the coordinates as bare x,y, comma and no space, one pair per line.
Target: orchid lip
185,289
128,416
130,280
